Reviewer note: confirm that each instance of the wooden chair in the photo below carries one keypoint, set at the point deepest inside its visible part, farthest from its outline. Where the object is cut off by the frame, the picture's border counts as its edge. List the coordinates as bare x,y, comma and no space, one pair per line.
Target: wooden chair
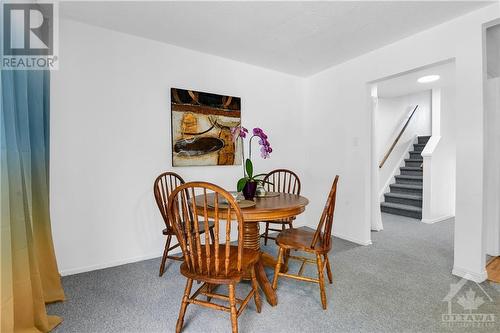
317,243
285,181
162,188
212,261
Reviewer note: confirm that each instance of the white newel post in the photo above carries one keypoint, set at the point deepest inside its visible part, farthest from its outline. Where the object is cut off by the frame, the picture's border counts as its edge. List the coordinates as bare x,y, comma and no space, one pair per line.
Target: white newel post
429,197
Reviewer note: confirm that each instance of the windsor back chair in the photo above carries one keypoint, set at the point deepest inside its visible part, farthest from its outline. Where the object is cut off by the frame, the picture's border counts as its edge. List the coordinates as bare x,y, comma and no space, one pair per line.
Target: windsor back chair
163,186
284,181
213,261
316,242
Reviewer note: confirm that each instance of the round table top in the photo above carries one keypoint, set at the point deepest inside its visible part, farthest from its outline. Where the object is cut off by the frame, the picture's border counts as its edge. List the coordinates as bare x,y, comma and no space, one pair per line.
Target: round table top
278,207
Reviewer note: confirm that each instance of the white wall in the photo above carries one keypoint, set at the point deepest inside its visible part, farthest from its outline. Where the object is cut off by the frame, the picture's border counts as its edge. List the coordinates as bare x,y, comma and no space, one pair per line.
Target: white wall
492,167
439,156
390,117
110,137
492,137
338,129
493,51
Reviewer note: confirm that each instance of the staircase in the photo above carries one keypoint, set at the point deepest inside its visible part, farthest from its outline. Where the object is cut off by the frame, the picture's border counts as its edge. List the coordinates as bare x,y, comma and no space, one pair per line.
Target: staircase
405,197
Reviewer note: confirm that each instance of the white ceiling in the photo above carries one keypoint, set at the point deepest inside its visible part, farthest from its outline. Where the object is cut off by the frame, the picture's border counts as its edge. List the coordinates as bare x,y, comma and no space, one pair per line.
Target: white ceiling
407,83
299,38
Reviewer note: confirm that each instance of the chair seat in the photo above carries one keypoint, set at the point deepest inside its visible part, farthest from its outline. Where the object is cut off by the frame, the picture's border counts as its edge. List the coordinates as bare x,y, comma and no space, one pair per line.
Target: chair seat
249,258
300,239
170,231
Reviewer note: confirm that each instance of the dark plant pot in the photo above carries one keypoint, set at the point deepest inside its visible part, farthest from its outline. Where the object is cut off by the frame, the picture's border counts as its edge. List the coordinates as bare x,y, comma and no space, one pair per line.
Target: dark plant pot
249,190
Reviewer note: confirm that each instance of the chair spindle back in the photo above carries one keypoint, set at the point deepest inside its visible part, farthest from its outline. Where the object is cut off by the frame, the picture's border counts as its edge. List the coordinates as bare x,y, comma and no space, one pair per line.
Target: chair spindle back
163,186
324,229
208,201
282,180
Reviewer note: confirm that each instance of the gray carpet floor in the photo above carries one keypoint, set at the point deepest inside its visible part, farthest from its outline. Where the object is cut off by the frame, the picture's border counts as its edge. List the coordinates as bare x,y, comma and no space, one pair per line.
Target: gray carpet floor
395,285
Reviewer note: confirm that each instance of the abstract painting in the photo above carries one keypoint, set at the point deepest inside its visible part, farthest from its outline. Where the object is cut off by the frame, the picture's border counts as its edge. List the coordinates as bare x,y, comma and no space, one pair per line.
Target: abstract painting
201,128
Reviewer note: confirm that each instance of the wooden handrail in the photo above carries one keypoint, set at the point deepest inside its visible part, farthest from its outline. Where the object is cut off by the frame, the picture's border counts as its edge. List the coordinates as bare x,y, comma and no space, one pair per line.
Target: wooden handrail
386,156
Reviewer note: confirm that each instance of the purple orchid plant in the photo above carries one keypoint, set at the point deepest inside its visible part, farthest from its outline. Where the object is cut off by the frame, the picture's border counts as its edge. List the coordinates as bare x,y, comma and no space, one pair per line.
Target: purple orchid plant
241,132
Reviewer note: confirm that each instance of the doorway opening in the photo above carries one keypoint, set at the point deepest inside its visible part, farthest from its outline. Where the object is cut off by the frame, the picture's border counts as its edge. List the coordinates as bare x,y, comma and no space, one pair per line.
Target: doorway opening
413,145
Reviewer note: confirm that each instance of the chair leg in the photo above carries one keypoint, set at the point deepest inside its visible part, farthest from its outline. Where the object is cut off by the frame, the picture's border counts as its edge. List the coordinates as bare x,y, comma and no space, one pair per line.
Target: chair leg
328,269
277,269
266,233
255,287
184,304
234,312
321,279
209,289
165,254
285,261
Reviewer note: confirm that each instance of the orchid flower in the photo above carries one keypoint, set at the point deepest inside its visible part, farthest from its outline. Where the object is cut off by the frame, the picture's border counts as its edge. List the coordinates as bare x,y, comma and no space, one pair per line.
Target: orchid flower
238,132
265,151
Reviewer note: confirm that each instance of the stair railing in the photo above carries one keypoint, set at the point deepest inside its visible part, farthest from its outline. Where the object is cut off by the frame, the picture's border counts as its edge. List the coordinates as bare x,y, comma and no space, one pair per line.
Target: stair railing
389,151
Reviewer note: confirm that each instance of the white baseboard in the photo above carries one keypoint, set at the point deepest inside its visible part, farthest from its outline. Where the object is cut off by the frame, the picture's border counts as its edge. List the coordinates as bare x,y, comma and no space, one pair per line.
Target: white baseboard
438,219
71,271
468,275
353,240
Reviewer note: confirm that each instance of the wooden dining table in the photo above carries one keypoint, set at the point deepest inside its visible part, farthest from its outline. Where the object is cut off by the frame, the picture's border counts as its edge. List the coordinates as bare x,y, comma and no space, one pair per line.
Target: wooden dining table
275,206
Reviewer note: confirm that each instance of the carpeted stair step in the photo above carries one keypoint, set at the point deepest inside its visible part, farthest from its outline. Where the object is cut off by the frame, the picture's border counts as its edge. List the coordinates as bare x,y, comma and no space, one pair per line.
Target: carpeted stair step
406,188
412,171
406,179
404,199
405,196
423,139
416,155
399,209
418,147
412,162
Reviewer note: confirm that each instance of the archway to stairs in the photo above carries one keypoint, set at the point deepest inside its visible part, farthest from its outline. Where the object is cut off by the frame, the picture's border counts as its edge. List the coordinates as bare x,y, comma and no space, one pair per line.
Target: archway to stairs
413,145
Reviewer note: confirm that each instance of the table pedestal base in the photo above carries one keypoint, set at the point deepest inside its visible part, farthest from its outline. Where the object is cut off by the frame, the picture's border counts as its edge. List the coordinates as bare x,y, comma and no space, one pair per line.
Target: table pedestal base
251,240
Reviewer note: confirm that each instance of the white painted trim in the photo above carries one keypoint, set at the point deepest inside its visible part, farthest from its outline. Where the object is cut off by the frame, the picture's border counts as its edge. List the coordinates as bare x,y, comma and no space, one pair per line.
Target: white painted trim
120,262
431,146
390,180
468,275
350,239
438,219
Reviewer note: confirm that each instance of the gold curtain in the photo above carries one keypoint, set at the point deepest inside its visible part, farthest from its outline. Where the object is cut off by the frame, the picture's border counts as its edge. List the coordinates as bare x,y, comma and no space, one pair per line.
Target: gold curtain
29,277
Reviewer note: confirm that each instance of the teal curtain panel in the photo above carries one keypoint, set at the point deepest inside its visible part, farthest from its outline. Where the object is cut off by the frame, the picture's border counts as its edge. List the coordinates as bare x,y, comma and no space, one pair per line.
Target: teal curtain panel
29,277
